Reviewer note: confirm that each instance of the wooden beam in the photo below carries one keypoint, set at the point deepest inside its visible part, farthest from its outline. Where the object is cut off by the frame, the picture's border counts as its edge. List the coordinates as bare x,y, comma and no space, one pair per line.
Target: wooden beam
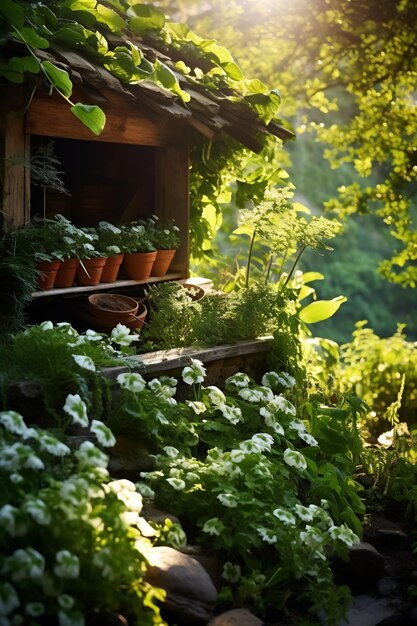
52,118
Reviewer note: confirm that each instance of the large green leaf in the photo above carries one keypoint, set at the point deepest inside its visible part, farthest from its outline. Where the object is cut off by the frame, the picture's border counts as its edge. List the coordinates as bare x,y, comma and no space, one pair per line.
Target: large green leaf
81,5
71,33
168,80
321,310
147,18
13,13
110,18
232,70
90,115
32,39
17,66
59,79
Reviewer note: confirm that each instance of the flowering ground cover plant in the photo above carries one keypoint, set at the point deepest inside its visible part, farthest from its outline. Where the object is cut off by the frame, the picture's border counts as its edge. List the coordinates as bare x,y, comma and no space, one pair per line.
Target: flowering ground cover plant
247,479
70,537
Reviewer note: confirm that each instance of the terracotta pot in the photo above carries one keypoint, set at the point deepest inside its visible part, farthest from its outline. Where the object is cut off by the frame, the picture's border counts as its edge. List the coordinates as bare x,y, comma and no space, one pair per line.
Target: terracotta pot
90,274
66,273
107,310
111,269
162,262
138,265
48,274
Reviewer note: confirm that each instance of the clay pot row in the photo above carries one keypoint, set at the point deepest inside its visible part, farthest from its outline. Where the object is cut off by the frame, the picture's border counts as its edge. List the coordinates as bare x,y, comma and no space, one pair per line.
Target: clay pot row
138,266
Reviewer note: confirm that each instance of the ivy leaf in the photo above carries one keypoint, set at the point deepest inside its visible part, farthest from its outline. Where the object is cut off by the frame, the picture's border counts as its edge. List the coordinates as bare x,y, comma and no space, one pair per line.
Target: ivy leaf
80,5
72,33
17,66
168,80
232,70
91,116
321,310
110,18
13,13
147,18
31,38
59,79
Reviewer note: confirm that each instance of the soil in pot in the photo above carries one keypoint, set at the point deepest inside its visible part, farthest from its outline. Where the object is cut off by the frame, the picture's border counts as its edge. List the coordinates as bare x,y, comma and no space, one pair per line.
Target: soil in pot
162,262
138,265
111,268
90,271
109,309
48,269
66,273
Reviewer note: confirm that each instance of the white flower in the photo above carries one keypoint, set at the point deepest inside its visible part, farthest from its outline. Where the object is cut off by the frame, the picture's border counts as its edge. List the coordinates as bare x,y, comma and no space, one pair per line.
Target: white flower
304,513
272,423
284,516
89,454
34,609
344,534
16,478
197,407
92,335
13,422
122,335
228,499
85,362
77,408
9,600
25,563
272,379
295,459
161,418
213,526
237,456
65,601
309,439
248,447
103,433
131,381
34,462
145,491
277,404
74,618
123,484
250,395
216,396
53,445
263,441
38,510
171,451
132,500
232,413
67,565
266,535
238,380
312,537
265,394
46,325
194,373
162,390
231,572
298,426
176,483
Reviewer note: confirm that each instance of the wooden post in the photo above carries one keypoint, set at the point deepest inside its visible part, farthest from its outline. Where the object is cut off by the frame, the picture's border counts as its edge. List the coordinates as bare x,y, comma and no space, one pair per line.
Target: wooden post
16,162
172,197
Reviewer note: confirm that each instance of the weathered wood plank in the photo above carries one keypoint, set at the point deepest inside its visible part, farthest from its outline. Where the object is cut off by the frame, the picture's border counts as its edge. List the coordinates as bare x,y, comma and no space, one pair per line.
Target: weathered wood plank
165,360
51,118
16,158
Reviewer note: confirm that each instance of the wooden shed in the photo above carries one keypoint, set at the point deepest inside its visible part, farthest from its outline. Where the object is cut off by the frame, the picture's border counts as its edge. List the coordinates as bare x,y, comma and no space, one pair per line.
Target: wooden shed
138,166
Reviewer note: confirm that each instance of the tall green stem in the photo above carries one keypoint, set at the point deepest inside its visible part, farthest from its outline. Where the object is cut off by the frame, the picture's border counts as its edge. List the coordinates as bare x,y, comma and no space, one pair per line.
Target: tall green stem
249,259
294,265
268,269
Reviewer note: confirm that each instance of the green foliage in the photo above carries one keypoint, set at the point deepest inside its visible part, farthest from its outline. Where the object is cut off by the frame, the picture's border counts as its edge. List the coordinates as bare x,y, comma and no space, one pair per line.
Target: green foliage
60,361
69,548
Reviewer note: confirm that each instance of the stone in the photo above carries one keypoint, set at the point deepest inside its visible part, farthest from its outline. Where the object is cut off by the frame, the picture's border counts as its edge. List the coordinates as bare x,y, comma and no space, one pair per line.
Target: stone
128,458
363,569
387,586
370,611
151,514
190,593
236,617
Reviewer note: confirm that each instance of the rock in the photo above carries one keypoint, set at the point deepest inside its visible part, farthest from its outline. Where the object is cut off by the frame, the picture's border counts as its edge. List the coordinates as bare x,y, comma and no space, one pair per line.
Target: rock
212,564
155,515
370,611
128,458
363,569
387,586
236,617
190,593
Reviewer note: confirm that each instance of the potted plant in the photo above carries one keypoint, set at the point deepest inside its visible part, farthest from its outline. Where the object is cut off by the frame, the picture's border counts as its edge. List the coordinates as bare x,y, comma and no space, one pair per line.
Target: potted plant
74,244
140,252
109,243
38,238
92,260
166,240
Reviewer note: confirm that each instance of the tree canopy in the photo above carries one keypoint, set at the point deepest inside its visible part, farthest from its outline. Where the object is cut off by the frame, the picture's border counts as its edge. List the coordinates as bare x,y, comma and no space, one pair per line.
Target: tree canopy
347,71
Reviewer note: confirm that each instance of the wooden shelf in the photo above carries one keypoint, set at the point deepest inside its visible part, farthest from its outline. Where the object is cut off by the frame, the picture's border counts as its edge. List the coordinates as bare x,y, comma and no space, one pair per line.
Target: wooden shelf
103,286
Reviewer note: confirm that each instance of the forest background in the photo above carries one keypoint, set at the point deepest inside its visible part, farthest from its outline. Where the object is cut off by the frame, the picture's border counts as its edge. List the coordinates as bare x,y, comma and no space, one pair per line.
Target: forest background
344,71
